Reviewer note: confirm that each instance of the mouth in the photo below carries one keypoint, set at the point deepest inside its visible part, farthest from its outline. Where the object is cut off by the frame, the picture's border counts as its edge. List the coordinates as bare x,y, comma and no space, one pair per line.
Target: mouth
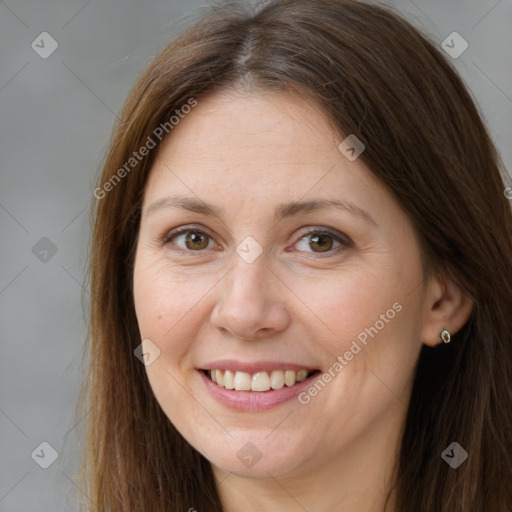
259,382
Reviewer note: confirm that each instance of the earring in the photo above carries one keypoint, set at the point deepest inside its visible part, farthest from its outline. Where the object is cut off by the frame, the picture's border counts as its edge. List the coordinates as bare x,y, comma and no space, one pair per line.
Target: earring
445,336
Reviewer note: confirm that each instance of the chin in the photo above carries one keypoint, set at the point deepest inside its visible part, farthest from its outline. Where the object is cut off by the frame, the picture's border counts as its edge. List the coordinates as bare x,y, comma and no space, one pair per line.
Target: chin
258,460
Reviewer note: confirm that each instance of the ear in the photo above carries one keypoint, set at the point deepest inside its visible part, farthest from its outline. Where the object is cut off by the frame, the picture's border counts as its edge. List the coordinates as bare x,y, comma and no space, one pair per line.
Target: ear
447,306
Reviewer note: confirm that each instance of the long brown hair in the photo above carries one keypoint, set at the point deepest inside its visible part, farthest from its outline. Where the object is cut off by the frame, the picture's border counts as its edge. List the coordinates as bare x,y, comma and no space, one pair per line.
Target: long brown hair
373,75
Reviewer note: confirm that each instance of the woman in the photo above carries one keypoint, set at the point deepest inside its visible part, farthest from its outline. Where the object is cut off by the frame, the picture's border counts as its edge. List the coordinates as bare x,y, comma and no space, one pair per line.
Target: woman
301,276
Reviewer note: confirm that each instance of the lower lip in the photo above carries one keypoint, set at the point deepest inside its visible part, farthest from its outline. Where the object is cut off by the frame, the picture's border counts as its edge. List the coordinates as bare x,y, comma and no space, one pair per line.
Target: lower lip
252,401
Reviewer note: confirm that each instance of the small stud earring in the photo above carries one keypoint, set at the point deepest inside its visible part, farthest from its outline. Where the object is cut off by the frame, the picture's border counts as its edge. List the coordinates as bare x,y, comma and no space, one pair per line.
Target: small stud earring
445,336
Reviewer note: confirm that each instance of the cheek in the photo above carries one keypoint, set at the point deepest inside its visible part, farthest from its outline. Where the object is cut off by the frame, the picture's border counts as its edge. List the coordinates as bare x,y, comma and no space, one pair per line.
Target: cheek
170,308
343,307
166,305
370,324
166,299
370,319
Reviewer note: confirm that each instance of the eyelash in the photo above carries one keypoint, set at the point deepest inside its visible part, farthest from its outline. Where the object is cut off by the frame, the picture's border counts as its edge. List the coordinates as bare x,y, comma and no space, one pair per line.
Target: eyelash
344,241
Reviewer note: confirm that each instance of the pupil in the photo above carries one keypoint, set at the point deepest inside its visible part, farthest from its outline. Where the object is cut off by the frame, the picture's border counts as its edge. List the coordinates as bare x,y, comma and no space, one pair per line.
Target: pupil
195,238
322,238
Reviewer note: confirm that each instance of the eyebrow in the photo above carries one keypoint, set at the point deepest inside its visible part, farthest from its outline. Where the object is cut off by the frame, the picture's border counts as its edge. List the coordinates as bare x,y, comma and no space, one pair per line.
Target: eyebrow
282,210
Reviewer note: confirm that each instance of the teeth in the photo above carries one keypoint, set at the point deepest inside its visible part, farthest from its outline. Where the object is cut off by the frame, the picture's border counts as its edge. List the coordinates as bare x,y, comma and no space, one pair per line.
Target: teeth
301,375
242,381
277,379
289,377
260,381
229,379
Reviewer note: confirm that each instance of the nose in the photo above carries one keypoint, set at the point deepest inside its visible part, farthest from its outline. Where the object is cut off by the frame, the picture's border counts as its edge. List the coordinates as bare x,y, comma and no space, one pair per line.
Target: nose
251,302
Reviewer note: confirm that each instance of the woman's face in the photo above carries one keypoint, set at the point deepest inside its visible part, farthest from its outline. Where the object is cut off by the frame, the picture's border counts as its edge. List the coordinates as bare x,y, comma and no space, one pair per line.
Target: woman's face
268,280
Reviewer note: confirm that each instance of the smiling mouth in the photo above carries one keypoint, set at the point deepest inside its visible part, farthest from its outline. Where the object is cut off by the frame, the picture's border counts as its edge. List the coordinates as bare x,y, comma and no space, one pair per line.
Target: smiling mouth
259,381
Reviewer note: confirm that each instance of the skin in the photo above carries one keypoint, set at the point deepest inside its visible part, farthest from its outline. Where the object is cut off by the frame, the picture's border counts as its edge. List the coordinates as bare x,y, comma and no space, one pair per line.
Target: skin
247,152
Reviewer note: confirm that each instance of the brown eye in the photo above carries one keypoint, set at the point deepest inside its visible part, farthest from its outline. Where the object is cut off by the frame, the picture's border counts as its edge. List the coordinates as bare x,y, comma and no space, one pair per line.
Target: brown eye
189,239
323,242
196,240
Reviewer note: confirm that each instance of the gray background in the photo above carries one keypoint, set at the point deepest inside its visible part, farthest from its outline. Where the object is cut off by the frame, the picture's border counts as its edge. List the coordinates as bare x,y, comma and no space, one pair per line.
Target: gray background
56,115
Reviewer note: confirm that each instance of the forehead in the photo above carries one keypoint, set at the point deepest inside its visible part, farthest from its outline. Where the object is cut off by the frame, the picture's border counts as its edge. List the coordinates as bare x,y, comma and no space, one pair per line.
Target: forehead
236,121
265,142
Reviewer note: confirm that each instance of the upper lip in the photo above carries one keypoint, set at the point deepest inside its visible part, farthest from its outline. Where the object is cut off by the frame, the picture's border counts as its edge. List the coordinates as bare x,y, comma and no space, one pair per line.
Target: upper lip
253,367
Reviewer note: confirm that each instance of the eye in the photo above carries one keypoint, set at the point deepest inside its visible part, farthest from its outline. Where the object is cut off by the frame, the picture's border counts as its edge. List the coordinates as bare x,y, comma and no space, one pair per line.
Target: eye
324,240
192,239
321,240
